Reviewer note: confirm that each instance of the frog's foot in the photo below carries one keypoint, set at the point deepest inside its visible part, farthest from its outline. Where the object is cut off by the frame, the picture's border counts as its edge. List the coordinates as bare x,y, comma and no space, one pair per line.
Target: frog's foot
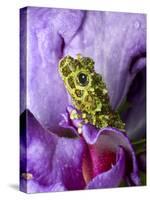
76,118
74,114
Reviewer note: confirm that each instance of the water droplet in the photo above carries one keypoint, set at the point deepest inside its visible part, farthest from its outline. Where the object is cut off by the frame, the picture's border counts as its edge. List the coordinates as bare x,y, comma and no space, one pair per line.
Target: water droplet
137,24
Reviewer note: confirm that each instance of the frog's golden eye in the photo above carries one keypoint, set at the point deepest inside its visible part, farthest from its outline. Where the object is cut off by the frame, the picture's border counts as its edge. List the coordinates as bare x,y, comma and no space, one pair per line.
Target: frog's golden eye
83,79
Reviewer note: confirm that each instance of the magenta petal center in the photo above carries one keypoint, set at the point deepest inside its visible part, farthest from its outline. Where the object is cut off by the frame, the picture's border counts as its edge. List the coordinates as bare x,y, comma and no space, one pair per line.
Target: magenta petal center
102,161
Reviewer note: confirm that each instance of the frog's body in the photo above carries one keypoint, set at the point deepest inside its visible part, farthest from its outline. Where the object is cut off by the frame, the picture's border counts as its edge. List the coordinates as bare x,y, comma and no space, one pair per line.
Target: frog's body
88,92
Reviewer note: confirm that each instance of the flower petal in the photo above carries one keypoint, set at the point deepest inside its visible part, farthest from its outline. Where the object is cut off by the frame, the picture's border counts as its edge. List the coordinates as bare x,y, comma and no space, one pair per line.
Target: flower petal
48,32
112,177
113,40
47,160
110,139
135,116
119,40
33,186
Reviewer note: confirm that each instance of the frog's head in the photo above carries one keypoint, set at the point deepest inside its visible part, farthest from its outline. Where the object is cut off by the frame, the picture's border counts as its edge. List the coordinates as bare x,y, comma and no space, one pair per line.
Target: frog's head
82,82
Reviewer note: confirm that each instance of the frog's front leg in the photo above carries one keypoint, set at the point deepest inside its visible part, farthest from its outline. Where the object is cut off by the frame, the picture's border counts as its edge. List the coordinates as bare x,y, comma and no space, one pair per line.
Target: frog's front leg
78,120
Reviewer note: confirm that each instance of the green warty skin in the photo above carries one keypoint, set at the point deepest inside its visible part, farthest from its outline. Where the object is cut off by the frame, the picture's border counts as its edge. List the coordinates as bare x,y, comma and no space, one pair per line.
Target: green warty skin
88,92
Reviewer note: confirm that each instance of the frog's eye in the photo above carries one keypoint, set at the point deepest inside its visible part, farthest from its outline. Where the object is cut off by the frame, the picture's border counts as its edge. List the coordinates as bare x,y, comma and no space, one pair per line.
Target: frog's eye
83,79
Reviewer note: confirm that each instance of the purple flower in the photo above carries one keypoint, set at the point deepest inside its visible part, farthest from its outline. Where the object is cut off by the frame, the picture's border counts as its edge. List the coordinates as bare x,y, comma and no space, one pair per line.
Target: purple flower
106,146
54,163
97,158
116,42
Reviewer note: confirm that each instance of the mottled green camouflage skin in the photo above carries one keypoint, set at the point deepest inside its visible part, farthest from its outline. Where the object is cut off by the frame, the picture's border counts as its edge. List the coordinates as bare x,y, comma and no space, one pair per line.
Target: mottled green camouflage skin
91,98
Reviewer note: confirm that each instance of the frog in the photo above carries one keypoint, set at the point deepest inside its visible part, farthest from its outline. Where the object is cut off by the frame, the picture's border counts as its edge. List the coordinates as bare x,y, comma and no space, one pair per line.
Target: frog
88,92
